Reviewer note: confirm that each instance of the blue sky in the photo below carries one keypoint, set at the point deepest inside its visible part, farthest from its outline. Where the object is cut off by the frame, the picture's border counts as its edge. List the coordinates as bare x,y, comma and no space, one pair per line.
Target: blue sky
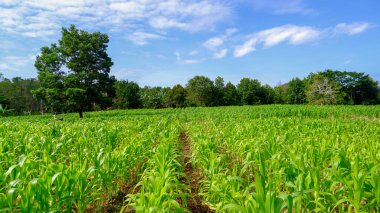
165,42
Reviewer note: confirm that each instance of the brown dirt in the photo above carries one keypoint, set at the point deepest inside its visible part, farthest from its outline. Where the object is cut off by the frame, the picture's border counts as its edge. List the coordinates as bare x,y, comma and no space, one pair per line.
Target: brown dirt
117,201
194,202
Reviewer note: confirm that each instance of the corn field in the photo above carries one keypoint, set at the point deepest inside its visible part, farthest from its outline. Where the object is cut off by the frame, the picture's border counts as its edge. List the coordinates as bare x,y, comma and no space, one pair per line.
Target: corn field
275,158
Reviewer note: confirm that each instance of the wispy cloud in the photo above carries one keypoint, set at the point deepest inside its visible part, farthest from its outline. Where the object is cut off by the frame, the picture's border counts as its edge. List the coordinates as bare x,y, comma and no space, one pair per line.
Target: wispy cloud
347,62
16,63
6,45
141,38
213,43
180,60
246,48
221,54
293,34
216,44
283,6
194,52
218,41
353,28
44,18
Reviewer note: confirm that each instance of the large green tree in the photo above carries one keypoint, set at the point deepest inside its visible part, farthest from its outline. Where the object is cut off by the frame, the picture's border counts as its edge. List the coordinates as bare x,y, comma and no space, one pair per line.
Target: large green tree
74,74
296,91
231,95
268,94
280,96
176,97
358,88
250,91
323,91
153,97
200,91
127,95
219,91
3,100
16,94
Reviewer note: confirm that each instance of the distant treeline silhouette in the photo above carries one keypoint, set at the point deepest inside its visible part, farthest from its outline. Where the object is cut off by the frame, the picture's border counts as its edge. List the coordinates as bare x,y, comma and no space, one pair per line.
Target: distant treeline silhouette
18,96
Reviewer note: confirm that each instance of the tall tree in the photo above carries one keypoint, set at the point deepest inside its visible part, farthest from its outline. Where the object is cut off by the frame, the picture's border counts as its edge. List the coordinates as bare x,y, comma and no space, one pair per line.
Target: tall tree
153,97
231,95
367,91
296,91
200,91
267,94
323,91
358,88
176,97
127,95
219,91
250,91
76,72
280,94
3,100
17,95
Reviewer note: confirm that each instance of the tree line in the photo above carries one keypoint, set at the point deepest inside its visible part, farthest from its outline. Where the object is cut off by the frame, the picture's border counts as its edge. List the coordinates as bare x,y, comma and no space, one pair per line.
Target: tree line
74,76
23,96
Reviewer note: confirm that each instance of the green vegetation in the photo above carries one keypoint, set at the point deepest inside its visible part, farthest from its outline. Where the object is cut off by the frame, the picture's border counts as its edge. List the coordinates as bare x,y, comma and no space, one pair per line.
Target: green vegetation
74,76
277,158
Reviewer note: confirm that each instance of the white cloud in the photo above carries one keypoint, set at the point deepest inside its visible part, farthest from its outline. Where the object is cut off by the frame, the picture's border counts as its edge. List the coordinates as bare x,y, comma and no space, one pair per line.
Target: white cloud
283,6
186,61
16,63
221,54
246,48
291,33
8,2
194,52
294,34
6,45
229,32
351,29
213,43
141,38
28,17
346,62
166,23
218,41
287,33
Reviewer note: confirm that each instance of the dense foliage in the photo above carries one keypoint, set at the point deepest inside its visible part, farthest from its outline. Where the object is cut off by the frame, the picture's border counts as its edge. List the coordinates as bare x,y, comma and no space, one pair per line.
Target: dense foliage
74,75
322,88
279,158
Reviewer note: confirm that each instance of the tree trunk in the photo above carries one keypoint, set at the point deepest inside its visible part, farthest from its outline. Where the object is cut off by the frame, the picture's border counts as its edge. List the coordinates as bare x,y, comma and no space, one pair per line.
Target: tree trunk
80,113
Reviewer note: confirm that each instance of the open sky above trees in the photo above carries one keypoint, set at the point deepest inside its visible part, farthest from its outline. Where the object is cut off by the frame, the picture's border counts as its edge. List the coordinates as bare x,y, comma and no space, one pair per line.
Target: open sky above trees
162,43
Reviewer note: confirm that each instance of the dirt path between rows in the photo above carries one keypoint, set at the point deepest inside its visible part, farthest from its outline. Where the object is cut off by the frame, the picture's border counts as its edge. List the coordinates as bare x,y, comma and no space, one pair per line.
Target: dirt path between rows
117,201
194,203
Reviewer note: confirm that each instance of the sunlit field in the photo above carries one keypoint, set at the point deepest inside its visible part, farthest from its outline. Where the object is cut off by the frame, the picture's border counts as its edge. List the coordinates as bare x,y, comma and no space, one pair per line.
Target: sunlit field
277,158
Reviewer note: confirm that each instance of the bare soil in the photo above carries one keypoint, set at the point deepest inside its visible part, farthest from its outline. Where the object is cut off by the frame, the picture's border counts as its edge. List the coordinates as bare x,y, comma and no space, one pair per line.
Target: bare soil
117,201
194,202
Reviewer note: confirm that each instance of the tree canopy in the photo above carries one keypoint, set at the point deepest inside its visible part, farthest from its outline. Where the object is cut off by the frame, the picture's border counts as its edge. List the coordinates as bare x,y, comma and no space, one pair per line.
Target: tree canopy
322,90
249,91
356,87
127,95
74,75
200,91
296,91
